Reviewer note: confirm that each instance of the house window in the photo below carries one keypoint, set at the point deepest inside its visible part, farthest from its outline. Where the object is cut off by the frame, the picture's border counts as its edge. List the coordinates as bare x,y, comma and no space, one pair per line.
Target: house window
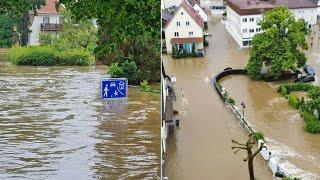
176,34
309,26
178,23
244,19
46,20
251,19
181,13
258,29
245,43
244,30
187,23
180,46
251,31
190,33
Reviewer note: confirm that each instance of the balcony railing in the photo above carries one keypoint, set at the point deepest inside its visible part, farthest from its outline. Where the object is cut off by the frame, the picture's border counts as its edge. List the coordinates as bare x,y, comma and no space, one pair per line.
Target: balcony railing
50,27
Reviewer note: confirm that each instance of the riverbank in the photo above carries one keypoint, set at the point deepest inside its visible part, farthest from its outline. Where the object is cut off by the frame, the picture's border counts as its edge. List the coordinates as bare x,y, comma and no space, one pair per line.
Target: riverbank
4,54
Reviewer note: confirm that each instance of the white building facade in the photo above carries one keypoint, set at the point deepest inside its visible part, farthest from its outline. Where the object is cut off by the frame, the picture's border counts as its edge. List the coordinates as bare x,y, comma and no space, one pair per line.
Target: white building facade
184,30
44,23
47,21
243,27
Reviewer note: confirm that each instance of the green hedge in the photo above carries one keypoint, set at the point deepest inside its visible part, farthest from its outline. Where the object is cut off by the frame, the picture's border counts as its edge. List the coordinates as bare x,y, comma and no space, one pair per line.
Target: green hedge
293,101
49,56
287,88
312,123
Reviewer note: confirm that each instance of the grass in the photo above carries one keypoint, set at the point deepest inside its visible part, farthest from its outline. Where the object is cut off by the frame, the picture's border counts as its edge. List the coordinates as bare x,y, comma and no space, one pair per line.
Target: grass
4,54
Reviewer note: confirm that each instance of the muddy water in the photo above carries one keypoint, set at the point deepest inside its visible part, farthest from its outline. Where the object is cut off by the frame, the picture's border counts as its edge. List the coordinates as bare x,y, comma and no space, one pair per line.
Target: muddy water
54,126
200,148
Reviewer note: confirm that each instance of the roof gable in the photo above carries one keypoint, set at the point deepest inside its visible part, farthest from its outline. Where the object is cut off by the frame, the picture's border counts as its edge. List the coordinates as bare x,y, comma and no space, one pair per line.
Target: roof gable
48,8
190,11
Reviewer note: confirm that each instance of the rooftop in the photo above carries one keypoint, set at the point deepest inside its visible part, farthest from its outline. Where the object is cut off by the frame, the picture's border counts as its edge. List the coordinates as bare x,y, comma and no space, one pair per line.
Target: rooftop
247,7
48,8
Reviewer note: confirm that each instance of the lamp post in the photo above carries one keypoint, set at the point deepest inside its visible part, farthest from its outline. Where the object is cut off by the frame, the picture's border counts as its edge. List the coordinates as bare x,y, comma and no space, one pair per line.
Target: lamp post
243,106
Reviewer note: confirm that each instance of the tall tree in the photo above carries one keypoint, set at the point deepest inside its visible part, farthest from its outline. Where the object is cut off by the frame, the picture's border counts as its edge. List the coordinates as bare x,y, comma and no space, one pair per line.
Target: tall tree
21,10
278,48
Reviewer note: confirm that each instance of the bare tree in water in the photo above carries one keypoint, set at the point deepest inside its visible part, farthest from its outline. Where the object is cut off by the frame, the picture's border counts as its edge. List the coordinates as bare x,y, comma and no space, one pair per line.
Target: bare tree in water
248,147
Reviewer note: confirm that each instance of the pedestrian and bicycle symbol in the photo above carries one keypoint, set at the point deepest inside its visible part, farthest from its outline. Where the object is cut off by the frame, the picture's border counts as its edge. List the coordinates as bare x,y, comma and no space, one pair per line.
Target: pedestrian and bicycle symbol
114,88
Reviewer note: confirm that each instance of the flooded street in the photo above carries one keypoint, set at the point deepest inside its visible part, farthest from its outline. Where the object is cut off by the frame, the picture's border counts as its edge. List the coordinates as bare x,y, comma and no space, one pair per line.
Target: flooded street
53,125
201,147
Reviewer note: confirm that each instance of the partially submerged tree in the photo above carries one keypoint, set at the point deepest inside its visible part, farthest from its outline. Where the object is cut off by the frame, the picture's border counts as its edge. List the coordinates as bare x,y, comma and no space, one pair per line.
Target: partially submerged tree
278,48
250,153
129,33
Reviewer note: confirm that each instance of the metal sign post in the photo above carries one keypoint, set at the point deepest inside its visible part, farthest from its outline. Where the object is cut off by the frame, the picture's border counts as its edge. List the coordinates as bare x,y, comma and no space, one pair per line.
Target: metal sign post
114,88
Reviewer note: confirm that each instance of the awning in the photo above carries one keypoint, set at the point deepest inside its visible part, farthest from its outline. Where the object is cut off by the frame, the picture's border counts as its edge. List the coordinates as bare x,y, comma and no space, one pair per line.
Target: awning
187,40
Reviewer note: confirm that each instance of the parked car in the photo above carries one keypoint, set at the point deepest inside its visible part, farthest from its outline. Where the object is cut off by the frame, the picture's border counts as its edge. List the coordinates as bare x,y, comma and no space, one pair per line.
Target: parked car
304,79
309,70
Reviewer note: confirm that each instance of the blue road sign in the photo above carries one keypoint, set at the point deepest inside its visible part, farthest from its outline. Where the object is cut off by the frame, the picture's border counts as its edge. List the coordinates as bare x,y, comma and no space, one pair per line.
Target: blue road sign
114,88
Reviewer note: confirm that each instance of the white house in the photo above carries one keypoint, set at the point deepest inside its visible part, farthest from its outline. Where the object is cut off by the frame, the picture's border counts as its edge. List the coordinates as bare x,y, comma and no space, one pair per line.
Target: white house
243,16
165,4
199,10
184,30
47,21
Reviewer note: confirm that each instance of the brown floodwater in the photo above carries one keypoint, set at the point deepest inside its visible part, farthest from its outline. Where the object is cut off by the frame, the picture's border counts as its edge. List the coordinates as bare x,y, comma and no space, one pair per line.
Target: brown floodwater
201,147
53,125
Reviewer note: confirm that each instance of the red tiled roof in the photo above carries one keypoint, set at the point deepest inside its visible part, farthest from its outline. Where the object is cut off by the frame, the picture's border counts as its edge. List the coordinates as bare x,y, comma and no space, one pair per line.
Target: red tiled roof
48,8
187,40
194,15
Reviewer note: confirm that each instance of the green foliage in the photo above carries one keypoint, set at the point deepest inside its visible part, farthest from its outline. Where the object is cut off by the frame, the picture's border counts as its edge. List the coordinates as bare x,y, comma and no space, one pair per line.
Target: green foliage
19,8
115,71
293,101
283,91
279,46
127,28
6,31
144,86
258,135
231,101
46,39
295,87
312,124
48,56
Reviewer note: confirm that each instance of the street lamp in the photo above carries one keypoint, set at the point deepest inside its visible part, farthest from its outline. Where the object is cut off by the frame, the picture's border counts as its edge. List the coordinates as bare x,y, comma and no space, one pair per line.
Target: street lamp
243,106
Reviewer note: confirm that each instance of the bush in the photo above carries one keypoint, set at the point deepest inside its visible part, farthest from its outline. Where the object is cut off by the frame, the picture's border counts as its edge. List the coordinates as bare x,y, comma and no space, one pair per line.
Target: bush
282,90
258,135
145,86
48,56
115,70
46,39
312,123
231,101
293,101
313,127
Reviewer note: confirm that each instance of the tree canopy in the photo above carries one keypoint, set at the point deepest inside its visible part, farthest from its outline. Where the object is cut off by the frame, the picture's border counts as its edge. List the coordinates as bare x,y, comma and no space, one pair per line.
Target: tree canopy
19,8
278,48
129,34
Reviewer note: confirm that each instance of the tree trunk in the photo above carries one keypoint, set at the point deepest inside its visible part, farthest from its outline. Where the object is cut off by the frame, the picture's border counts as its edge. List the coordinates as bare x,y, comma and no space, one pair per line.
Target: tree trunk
250,167
25,29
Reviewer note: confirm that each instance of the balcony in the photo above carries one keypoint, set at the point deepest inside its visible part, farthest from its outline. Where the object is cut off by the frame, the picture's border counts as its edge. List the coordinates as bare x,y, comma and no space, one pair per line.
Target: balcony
50,27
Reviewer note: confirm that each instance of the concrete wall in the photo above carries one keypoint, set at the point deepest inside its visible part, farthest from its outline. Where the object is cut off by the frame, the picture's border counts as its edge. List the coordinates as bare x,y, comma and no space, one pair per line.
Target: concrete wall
36,27
182,16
